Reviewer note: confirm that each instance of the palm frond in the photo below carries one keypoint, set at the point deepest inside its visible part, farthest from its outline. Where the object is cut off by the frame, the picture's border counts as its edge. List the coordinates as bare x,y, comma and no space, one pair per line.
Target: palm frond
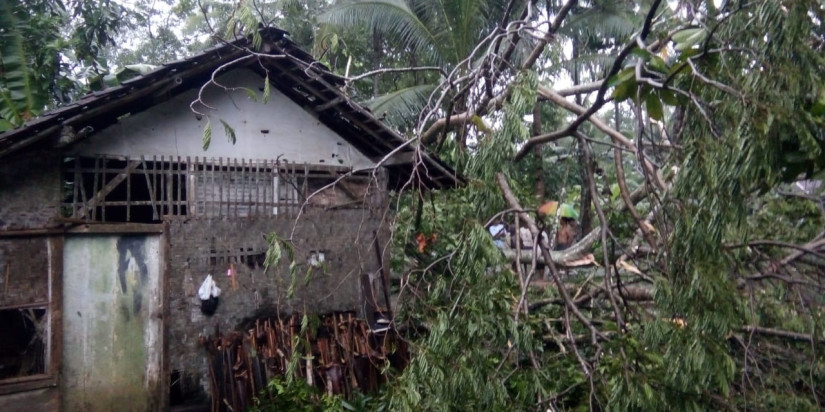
597,63
394,18
402,106
602,22
470,20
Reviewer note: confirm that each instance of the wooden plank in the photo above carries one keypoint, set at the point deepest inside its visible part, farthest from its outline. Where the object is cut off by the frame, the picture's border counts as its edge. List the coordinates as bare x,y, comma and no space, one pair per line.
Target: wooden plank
305,186
238,195
268,187
150,186
133,203
78,183
257,188
99,196
191,196
220,188
103,163
116,228
82,189
25,384
276,188
158,191
265,182
56,303
176,179
290,194
247,183
129,193
94,186
169,186
212,190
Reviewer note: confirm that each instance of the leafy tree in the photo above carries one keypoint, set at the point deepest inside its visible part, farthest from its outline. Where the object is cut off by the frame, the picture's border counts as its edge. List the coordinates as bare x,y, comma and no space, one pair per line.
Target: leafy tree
433,33
687,125
40,66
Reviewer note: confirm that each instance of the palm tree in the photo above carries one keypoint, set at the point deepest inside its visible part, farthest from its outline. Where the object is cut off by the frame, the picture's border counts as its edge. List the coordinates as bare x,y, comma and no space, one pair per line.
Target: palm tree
438,33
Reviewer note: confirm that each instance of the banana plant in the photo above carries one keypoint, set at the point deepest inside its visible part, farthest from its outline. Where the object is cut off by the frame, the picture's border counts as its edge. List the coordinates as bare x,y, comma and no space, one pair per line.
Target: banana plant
21,97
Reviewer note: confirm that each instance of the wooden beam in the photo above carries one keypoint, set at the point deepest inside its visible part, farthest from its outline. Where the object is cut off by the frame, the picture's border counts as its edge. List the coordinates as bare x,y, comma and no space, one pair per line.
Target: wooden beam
100,196
117,228
400,158
327,105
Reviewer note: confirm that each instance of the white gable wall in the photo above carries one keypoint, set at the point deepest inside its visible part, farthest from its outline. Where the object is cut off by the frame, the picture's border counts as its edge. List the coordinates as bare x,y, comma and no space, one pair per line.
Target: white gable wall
170,128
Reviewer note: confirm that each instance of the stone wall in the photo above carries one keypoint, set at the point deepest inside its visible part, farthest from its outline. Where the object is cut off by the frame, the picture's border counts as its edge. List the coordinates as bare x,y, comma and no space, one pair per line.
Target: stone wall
198,247
31,191
24,271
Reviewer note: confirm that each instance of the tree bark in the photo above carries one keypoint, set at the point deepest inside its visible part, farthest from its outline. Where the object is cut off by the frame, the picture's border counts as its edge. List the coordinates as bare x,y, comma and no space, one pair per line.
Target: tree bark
540,184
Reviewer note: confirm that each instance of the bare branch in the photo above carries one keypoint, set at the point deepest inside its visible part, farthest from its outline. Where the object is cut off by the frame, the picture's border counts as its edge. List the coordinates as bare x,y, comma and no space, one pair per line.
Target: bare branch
395,70
795,336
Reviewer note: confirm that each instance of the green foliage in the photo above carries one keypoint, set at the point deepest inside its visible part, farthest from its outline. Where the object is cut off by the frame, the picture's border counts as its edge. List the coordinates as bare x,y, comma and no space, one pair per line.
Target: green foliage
101,19
470,353
229,131
267,90
23,93
206,138
785,218
45,47
297,396
468,303
401,106
750,83
409,33
207,134
720,169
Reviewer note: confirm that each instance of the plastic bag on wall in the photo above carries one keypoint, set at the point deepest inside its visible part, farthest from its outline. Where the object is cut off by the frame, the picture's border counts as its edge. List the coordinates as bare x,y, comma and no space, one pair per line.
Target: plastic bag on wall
208,293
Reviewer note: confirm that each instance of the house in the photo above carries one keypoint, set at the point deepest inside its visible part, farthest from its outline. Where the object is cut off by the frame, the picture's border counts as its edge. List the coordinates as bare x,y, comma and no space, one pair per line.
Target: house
112,214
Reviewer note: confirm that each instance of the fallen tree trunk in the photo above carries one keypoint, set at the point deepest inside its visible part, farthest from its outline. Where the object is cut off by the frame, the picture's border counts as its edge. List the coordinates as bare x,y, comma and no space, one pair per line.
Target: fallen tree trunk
561,258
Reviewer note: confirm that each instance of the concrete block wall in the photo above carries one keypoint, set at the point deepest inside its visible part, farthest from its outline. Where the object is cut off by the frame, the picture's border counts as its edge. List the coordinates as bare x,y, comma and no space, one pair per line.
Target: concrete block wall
198,247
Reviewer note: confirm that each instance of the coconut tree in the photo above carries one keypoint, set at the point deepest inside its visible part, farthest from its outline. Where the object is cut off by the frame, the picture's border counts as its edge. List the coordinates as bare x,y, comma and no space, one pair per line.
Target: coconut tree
437,33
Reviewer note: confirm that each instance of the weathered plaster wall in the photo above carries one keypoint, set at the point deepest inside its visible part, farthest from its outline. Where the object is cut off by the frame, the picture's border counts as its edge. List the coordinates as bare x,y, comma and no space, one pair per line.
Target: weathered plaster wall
29,190
111,342
277,129
200,247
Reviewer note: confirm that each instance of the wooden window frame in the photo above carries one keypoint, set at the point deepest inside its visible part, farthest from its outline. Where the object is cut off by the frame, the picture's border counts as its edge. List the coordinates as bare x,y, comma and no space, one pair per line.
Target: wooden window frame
53,310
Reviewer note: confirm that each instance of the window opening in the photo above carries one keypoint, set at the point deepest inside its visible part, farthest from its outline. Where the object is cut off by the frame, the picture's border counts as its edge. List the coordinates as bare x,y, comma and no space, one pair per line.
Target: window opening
145,190
110,189
23,343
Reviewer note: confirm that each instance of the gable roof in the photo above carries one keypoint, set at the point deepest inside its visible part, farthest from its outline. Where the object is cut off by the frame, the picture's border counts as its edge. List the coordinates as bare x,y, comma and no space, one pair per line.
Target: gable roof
291,70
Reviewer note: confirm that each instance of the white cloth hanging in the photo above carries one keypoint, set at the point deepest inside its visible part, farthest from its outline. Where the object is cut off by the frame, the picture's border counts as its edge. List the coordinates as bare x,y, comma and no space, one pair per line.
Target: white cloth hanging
208,289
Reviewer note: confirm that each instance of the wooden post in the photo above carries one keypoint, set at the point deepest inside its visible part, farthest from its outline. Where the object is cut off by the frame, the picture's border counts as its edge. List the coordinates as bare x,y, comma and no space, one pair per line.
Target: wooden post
128,192
220,187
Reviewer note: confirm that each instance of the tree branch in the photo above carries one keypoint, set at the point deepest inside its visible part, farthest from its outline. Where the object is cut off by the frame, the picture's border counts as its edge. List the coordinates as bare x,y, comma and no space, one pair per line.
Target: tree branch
801,337
395,70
